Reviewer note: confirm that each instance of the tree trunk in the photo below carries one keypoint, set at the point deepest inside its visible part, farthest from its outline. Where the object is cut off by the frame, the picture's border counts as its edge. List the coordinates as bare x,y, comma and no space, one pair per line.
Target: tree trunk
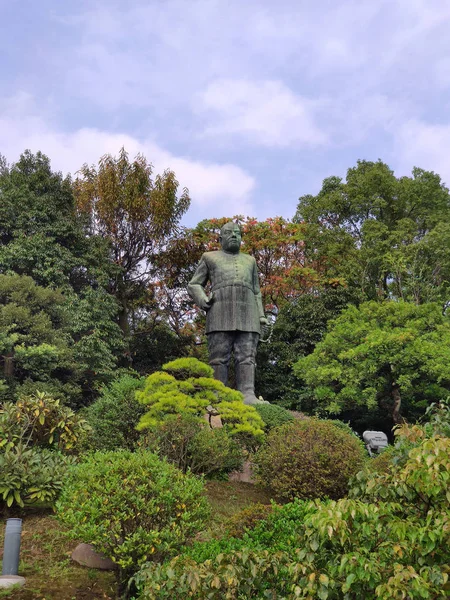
397,403
8,365
123,320
124,325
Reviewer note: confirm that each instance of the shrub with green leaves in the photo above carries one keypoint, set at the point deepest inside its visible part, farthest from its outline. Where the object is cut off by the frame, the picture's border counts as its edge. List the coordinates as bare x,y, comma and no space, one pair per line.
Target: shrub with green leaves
41,420
31,476
186,386
132,507
309,459
192,445
115,414
247,518
391,541
273,415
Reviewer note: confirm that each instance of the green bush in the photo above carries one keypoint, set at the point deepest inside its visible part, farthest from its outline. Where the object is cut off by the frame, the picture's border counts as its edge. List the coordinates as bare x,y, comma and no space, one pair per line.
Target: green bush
343,425
132,507
115,414
273,415
192,445
381,463
279,531
393,541
247,519
41,420
190,390
31,476
309,459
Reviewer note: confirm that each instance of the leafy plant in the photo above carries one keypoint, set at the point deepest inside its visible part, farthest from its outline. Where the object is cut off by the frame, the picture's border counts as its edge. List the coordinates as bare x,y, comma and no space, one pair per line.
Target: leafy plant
309,459
115,414
132,506
190,390
273,415
191,445
391,356
247,518
31,475
393,541
41,420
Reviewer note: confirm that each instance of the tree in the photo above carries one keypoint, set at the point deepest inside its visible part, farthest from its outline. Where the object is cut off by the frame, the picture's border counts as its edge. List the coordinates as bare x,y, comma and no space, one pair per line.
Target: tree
299,326
136,214
380,232
34,346
42,237
40,234
391,356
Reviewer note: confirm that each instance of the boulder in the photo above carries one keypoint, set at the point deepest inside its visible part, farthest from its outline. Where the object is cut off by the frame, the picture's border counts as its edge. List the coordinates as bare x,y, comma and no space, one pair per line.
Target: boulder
86,555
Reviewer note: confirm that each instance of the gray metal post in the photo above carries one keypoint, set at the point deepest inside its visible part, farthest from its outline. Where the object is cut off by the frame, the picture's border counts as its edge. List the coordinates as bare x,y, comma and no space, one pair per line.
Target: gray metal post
11,548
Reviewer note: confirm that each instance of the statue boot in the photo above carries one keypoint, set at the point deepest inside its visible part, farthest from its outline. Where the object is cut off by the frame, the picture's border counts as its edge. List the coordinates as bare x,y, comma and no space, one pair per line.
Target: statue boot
245,383
221,373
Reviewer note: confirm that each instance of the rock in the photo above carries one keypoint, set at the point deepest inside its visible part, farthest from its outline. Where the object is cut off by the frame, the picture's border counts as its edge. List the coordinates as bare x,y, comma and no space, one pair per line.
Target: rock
7,581
84,554
213,420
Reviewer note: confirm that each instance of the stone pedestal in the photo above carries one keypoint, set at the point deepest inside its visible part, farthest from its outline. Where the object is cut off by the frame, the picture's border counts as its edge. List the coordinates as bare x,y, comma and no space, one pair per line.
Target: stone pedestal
7,581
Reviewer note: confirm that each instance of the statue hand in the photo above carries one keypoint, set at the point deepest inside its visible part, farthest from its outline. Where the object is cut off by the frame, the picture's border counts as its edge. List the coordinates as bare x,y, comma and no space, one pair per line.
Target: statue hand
208,303
263,321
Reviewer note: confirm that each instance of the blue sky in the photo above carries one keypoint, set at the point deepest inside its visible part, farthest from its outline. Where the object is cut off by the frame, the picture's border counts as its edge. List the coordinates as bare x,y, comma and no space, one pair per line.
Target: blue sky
251,102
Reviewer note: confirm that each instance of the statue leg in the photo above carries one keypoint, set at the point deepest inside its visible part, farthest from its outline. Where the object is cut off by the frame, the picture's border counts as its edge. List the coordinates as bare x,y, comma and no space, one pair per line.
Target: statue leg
245,346
220,344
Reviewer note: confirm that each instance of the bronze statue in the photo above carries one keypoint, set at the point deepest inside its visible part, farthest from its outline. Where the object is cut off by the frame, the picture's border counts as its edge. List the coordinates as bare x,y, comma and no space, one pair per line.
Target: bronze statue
234,310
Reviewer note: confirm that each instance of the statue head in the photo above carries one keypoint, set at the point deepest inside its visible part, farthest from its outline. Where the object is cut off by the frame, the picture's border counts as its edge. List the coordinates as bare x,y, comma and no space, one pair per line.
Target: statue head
230,237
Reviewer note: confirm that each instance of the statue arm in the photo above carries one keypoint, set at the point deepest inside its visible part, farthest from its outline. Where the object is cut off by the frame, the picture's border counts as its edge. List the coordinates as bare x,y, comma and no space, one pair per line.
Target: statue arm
196,287
257,290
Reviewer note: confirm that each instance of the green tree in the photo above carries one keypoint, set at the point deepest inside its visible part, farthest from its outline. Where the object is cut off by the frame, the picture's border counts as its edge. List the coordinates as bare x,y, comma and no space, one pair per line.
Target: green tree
40,233
135,213
300,325
391,356
34,345
42,237
380,232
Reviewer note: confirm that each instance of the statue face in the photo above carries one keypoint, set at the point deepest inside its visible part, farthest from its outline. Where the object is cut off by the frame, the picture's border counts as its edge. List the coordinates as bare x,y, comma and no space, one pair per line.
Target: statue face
230,238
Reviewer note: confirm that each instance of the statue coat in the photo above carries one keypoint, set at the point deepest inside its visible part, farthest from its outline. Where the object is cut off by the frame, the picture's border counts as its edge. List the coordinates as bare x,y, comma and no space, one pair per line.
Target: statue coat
236,302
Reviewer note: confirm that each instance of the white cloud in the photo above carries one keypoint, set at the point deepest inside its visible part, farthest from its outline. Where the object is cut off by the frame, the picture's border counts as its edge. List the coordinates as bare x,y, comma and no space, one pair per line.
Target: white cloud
212,186
264,112
418,144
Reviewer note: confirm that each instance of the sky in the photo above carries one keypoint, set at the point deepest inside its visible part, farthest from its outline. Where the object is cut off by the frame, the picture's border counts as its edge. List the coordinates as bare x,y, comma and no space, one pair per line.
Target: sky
252,103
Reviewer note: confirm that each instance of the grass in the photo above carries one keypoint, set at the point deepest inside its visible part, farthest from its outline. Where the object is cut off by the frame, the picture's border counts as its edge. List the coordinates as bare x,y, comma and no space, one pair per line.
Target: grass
52,575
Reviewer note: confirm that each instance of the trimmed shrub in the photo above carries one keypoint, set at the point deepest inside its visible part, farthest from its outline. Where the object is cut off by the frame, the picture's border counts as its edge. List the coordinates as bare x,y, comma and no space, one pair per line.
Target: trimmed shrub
309,459
273,415
192,445
115,414
132,507
189,391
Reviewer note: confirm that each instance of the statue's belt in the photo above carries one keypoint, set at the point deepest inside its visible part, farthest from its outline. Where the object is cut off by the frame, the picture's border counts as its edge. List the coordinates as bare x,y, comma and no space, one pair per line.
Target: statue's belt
224,284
